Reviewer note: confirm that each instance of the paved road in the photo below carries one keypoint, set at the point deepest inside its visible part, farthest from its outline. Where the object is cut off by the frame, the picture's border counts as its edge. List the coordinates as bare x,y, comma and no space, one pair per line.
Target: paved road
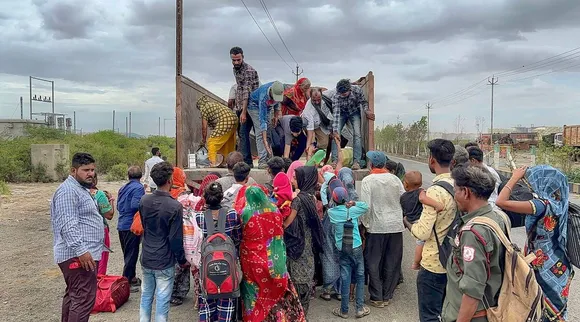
518,234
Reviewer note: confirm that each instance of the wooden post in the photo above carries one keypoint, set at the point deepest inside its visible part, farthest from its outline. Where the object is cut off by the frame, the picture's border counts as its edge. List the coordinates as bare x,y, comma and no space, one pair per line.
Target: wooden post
178,73
371,99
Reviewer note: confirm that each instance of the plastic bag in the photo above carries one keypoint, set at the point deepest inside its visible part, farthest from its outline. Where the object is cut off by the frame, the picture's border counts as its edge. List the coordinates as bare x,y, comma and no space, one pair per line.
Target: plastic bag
202,157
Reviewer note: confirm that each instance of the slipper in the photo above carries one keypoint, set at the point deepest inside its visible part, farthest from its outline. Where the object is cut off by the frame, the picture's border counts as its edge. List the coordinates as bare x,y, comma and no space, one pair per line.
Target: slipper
338,312
176,302
325,296
379,304
364,312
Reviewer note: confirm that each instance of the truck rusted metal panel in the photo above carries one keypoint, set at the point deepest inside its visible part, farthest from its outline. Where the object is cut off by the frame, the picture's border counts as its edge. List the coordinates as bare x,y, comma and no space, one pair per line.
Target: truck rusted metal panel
572,135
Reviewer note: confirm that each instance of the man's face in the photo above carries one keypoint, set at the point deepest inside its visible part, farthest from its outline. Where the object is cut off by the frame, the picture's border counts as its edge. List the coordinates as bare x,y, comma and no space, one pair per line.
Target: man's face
237,60
345,94
85,175
316,98
295,134
432,164
462,197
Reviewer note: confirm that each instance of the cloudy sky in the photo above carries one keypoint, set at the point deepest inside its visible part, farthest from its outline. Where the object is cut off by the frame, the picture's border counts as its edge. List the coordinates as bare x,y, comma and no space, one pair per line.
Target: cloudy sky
107,55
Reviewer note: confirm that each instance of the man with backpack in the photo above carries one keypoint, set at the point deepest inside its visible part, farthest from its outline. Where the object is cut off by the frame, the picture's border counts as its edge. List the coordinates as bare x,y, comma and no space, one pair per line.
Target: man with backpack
162,219
474,272
432,227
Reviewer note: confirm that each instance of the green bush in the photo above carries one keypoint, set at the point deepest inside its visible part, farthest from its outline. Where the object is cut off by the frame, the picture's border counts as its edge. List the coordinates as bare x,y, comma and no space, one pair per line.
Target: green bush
117,173
4,190
108,148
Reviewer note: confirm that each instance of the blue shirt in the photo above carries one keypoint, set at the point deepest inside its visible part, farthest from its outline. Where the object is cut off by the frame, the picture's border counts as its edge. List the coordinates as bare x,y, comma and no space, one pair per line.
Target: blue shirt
338,217
260,100
128,203
77,224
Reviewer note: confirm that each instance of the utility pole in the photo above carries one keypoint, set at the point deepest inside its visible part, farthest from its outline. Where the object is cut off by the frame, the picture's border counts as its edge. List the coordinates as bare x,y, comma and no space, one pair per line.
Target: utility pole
113,121
130,130
298,72
492,82
126,126
21,109
75,122
159,126
429,107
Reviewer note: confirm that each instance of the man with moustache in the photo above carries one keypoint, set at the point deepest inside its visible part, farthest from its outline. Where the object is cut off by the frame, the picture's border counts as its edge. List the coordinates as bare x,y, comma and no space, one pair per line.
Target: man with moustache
78,238
247,81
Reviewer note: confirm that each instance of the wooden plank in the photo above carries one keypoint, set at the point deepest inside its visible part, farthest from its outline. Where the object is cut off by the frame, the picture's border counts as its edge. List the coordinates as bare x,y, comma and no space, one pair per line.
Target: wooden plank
261,176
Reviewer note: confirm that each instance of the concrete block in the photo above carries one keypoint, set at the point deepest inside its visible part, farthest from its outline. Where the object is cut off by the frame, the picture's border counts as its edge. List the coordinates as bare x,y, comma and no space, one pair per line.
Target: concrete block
50,155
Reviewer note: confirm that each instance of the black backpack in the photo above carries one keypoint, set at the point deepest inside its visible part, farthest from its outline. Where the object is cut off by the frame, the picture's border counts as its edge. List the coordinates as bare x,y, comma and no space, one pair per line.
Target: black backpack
445,247
520,192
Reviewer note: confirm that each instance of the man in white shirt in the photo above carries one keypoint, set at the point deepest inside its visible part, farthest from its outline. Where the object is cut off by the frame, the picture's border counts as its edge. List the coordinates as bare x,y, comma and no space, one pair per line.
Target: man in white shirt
232,96
319,124
146,179
382,191
476,157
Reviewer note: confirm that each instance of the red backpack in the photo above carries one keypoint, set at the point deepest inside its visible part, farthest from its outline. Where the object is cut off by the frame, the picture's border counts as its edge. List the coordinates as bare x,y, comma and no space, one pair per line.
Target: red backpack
112,293
220,273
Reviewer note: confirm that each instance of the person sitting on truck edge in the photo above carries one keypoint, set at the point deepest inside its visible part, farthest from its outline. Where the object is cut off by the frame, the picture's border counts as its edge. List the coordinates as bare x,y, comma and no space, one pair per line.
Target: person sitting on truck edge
223,123
260,106
347,103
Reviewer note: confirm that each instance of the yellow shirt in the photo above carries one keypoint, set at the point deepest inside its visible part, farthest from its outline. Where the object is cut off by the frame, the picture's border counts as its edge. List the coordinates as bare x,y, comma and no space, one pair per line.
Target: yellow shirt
423,229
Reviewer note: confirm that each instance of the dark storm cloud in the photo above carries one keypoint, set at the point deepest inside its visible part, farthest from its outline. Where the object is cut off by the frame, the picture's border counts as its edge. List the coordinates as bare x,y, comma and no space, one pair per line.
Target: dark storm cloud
66,20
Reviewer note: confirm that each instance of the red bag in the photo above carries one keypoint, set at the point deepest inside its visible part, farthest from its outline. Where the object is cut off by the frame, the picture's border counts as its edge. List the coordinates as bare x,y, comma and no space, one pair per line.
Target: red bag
112,292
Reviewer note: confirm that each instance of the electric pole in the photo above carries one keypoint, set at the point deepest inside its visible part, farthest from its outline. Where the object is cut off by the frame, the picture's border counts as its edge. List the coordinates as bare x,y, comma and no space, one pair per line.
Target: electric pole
429,107
298,72
126,126
113,121
159,126
130,124
492,82
21,109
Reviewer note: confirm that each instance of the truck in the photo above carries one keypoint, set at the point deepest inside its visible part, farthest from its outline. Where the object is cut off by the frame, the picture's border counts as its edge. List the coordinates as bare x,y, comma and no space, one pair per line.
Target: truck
570,136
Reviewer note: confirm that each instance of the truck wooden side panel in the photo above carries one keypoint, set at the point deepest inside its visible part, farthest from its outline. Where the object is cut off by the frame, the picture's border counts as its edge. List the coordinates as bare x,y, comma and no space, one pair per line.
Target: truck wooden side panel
572,135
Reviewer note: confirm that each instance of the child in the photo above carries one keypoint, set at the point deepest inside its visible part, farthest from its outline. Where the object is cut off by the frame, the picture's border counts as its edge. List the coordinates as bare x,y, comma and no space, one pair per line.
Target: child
412,202
350,248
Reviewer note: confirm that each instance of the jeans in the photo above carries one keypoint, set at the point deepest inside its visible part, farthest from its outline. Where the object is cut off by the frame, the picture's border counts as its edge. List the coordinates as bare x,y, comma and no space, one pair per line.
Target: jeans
160,284
261,147
244,144
355,120
431,293
349,263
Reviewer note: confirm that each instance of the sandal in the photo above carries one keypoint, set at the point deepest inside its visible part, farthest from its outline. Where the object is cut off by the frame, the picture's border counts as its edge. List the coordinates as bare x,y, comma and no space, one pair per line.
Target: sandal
176,301
362,313
326,296
336,296
338,312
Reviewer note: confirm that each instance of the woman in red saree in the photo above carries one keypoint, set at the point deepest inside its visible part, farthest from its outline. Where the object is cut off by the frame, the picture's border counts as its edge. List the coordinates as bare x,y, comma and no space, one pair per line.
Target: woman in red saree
267,293
295,97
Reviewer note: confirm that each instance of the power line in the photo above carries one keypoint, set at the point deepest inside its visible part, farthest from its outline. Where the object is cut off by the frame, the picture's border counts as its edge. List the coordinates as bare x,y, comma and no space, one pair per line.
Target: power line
493,83
428,106
276,29
262,31
540,61
546,73
565,59
460,92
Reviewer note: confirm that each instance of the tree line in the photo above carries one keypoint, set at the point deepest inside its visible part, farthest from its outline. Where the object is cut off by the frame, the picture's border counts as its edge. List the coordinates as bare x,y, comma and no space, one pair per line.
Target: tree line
410,139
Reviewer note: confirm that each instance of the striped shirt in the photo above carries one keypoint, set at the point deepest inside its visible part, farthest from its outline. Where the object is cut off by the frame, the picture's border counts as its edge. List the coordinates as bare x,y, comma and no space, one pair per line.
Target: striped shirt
77,224
353,103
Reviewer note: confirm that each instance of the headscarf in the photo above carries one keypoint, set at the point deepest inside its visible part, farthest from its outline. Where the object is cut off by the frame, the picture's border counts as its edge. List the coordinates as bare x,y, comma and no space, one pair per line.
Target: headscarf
282,193
327,176
307,179
296,95
292,169
347,177
204,183
240,202
256,201
178,186
546,182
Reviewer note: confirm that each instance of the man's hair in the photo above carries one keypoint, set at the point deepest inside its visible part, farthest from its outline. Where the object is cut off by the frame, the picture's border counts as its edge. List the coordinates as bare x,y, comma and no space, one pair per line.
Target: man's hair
276,165
296,124
213,194
134,172
81,158
475,178
414,179
475,153
241,171
391,166
343,86
233,158
236,51
461,156
442,151
287,163
161,173
154,151
470,144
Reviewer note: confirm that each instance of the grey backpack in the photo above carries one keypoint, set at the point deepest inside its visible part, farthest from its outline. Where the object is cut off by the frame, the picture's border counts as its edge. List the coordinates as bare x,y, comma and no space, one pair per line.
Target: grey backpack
219,272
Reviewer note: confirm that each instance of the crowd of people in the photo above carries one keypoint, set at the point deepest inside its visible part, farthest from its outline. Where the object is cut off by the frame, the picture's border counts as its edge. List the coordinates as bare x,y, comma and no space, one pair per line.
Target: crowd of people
288,120
309,227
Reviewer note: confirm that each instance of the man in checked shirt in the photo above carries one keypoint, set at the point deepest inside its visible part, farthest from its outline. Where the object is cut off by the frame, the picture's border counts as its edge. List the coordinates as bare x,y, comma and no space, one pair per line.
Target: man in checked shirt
248,81
78,238
347,103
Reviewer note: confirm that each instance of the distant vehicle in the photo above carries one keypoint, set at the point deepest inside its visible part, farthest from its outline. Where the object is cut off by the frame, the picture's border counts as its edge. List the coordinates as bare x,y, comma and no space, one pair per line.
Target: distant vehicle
570,136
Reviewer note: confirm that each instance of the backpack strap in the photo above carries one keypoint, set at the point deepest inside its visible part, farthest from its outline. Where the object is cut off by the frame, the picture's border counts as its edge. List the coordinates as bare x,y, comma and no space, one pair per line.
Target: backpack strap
222,217
209,225
449,188
221,224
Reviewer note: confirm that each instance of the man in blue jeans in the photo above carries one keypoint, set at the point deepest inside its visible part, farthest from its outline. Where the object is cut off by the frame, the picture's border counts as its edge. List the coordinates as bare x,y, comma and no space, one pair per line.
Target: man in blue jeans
161,216
347,103
350,248
262,102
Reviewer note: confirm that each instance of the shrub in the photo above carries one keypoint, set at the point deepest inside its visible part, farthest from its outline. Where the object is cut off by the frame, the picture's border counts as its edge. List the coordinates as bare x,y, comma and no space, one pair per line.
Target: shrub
117,172
38,174
4,190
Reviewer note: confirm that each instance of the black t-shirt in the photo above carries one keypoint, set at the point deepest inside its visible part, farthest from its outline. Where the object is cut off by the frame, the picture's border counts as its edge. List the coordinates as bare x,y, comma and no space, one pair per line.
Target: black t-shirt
412,207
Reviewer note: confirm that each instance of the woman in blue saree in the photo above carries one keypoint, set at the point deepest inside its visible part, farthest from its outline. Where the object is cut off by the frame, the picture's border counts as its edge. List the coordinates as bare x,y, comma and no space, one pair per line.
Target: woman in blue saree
546,226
